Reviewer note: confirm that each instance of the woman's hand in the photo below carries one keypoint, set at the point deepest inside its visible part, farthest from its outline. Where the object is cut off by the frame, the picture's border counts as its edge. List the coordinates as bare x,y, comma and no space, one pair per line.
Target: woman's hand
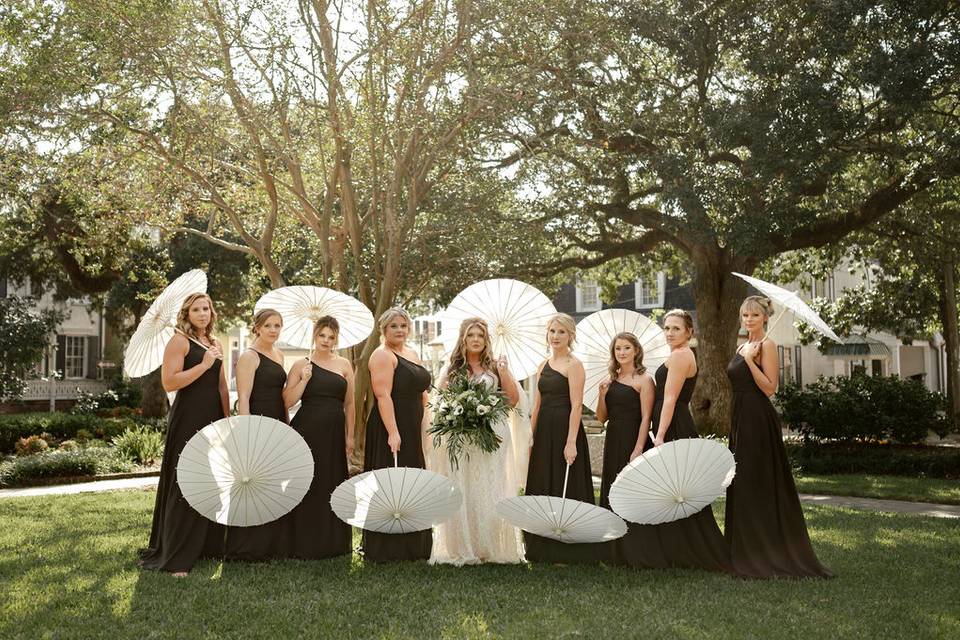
658,441
570,452
211,356
636,453
393,440
751,351
603,388
350,448
307,372
502,367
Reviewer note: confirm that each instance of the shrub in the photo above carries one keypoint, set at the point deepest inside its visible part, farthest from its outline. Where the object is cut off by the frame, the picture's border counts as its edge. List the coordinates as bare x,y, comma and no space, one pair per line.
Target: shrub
863,408
877,459
61,426
141,445
31,445
122,398
61,464
69,445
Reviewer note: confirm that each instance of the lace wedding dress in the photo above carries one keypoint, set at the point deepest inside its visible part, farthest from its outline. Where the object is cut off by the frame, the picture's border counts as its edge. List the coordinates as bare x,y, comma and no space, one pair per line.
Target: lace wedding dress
476,534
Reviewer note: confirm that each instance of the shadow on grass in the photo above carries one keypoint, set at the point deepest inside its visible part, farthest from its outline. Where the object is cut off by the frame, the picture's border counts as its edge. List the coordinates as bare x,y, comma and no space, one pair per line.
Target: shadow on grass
71,572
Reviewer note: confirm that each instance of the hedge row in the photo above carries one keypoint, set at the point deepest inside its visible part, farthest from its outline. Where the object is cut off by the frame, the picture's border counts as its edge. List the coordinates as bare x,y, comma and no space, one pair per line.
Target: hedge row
62,464
64,426
876,459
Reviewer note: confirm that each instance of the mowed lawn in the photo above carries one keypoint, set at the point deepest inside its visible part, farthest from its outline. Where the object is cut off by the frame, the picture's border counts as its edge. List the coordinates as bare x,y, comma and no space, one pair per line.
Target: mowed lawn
885,487
68,570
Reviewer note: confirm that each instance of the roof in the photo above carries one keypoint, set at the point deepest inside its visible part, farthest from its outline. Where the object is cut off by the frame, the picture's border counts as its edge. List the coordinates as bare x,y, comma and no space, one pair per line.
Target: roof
859,347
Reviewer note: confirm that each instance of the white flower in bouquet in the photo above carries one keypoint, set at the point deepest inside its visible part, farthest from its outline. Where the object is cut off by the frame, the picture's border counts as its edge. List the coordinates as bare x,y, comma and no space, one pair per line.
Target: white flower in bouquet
457,409
482,409
494,400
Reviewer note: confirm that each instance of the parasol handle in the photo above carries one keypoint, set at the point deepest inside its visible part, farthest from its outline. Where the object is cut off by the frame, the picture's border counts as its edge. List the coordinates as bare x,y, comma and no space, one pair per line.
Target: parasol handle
566,476
394,459
774,325
191,338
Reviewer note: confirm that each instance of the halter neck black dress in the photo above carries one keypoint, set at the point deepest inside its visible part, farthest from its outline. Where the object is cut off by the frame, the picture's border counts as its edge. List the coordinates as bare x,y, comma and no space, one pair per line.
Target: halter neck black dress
316,532
270,540
763,522
410,380
548,467
694,542
179,535
623,427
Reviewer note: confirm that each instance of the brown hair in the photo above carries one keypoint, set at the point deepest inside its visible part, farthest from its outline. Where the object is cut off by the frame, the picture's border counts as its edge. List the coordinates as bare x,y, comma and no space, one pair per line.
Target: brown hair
683,315
638,366
762,304
260,318
458,356
567,323
326,322
183,317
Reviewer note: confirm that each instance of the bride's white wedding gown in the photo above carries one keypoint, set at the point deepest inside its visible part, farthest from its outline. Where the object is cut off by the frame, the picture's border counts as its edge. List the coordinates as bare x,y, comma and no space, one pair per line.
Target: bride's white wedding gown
476,534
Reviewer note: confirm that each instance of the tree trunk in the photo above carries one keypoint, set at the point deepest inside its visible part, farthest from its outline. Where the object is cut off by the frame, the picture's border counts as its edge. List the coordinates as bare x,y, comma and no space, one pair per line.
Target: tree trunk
363,397
717,295
951,335
154,401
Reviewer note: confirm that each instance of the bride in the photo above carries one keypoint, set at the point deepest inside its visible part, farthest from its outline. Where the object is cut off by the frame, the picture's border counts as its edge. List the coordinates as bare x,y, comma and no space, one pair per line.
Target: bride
475,533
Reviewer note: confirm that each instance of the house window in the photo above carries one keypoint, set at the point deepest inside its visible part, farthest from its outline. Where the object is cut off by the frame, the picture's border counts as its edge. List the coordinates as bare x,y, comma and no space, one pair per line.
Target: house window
75,357
786,365
588,296
649,291
823,289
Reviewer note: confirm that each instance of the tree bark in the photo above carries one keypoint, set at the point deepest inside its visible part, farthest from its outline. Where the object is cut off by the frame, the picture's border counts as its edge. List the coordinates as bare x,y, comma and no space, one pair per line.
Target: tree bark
951,335
717,295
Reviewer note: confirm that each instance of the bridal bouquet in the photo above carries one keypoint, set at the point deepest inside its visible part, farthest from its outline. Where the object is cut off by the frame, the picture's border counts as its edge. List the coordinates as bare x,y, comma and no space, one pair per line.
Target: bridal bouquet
464,414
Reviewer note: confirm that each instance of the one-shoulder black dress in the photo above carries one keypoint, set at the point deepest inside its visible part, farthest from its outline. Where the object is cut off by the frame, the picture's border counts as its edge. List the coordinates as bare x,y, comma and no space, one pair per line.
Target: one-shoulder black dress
764,522
179,535
316,532
410,380
270,540
693,542
548,467
623,427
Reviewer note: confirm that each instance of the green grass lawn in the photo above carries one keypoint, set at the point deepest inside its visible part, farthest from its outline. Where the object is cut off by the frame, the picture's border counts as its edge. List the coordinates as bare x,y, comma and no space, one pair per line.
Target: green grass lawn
886,487
67,570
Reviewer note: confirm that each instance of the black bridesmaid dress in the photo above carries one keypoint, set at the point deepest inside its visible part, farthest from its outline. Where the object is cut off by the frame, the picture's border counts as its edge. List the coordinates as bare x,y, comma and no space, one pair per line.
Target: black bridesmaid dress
548,467
410,380
694,542
179,535
316,532
266,541
764,523
623,428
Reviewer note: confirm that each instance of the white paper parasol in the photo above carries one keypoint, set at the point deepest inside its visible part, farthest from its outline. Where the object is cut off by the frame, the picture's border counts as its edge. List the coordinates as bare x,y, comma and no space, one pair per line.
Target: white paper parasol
396,500
672,481
301,306
517,315
596,331
792,301
562,519
144,352
245,470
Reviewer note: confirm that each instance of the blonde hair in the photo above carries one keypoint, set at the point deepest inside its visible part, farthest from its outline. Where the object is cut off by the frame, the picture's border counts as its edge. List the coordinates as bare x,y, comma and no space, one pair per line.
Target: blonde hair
389,315
458,356
260,318
183,317
683,315
638,366
567,323
762,304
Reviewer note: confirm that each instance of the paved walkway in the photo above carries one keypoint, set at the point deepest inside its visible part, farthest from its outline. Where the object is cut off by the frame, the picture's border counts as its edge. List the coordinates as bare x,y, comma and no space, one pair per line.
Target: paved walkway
868,504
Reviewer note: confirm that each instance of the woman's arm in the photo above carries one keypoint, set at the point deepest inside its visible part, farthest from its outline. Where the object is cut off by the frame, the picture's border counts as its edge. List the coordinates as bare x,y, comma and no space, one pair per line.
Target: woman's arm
172,375
575,376
767,373
350,414
535,410
678,367
246,368
297,380
602,401
648,392
381,381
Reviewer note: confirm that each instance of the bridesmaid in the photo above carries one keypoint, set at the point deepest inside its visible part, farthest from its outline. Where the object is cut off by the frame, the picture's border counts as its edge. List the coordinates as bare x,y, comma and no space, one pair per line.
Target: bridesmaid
559,441
323,384
627,400
400,385
693,542
260,380
764,523
179,535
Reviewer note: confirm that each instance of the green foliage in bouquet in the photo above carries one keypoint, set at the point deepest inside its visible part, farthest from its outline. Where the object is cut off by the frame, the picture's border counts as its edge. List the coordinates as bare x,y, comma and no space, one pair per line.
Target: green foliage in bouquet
464,414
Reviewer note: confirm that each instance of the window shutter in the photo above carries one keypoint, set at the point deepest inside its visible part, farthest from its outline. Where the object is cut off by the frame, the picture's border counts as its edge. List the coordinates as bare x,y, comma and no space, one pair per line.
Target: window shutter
93,356
61,353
